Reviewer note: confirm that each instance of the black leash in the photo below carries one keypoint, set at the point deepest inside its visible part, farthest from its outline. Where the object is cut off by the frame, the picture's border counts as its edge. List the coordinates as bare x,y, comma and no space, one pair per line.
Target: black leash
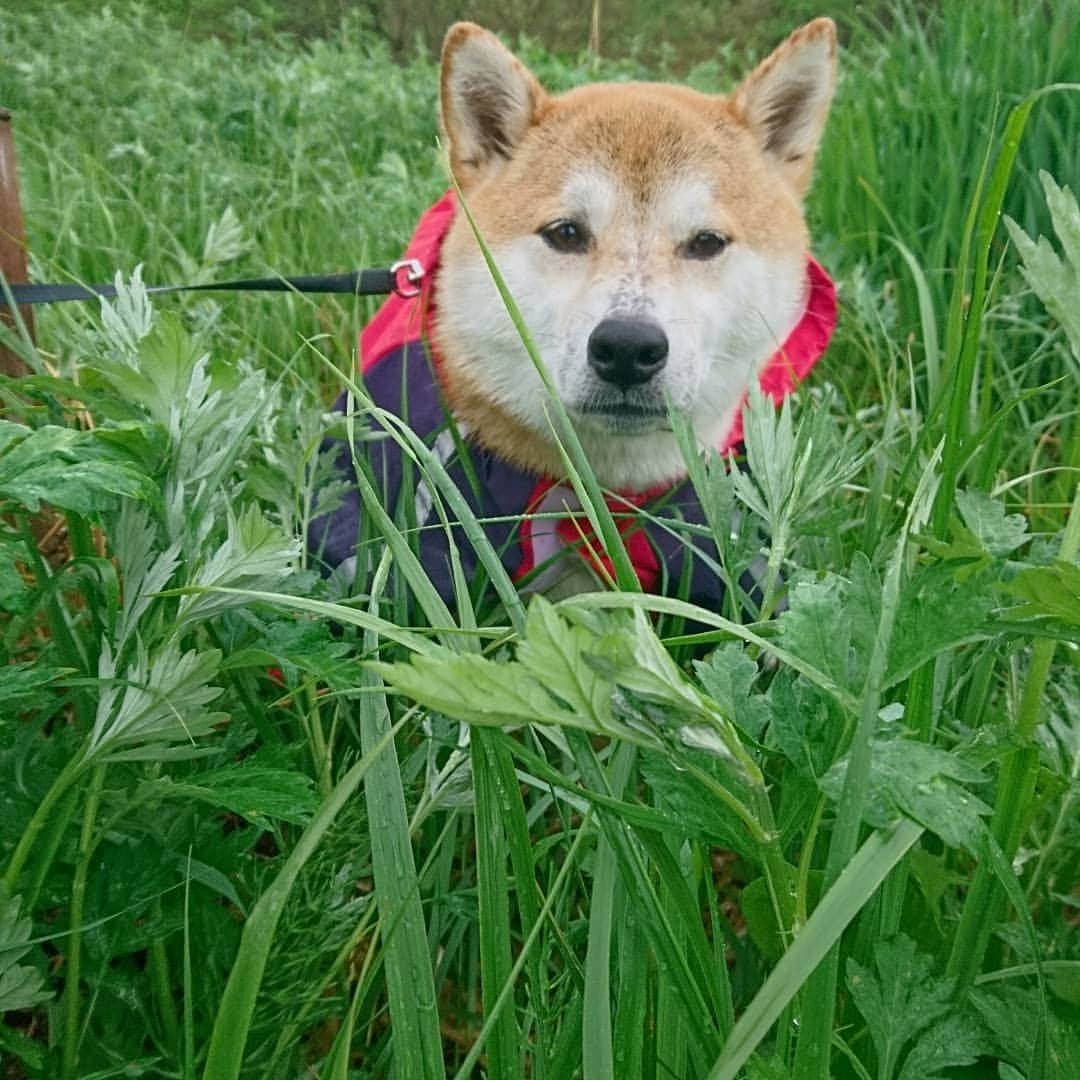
403,278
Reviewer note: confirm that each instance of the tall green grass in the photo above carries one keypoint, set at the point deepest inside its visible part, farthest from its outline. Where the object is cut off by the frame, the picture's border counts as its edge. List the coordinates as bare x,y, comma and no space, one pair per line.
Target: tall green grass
252,827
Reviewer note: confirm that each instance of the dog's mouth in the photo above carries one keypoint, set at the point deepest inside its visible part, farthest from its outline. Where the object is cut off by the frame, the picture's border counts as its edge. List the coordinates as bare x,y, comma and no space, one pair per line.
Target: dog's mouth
623,415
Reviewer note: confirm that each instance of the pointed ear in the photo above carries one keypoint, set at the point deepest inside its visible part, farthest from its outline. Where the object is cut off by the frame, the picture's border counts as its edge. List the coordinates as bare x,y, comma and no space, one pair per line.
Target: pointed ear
785,99
489,99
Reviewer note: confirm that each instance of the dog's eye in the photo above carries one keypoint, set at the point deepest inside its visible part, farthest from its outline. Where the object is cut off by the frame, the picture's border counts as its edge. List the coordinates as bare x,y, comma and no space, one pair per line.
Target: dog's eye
704,245
566,237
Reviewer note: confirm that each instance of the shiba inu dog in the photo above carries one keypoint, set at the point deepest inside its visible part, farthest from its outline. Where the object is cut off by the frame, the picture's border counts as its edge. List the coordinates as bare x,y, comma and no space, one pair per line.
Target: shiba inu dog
654,240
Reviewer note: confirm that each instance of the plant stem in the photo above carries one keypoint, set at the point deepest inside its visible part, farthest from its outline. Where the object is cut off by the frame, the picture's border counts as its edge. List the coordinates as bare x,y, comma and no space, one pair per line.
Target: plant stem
777,550
72,999
60,785
162,984
58,822
1012,806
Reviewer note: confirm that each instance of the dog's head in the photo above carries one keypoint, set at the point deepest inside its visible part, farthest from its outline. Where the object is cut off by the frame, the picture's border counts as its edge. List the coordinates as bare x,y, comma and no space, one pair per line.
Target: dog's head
652,236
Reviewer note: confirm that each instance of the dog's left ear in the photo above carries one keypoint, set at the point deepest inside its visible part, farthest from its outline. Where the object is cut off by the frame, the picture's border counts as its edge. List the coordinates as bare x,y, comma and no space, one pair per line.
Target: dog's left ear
785,100
489,100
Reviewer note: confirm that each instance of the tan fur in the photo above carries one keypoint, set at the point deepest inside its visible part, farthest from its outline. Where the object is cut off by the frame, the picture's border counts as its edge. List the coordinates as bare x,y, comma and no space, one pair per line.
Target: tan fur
512,171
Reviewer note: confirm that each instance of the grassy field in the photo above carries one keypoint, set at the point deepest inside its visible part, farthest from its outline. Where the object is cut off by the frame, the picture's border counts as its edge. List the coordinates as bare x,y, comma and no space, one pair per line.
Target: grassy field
232,845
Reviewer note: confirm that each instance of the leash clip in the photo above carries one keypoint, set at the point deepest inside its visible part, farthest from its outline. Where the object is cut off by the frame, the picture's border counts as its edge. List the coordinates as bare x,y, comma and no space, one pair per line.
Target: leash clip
413,275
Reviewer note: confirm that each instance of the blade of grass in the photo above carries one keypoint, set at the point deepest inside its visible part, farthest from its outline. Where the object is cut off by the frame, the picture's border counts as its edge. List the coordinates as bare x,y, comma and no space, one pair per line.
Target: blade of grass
466,1069
1013,802
410,983
504,1046
598,1057
516,824
434,470
982,224
341,613
237,1006
641,889
816,1034
854,887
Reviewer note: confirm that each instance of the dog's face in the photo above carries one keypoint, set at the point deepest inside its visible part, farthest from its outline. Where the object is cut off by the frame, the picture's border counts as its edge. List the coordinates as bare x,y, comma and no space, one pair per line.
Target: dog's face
652,237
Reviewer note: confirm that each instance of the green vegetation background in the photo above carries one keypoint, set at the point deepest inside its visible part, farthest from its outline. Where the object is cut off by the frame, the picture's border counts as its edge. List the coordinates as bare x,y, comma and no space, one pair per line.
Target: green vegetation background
160,792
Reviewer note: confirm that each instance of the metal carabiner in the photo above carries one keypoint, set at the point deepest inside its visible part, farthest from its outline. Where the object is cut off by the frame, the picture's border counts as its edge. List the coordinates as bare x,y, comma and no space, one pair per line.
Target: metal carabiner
414,274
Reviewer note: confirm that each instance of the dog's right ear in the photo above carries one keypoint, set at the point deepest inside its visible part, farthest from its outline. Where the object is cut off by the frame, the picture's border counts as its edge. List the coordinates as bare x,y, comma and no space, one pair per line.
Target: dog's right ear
489,100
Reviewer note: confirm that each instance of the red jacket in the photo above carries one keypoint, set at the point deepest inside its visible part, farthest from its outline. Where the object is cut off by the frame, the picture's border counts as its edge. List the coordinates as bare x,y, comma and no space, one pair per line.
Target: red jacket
400,372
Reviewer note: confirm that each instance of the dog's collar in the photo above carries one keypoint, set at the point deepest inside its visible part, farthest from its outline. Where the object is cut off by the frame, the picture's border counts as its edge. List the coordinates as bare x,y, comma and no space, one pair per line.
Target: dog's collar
401,320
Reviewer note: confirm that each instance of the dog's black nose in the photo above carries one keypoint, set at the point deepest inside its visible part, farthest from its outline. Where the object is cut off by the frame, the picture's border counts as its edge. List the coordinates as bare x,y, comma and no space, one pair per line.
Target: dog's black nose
627,352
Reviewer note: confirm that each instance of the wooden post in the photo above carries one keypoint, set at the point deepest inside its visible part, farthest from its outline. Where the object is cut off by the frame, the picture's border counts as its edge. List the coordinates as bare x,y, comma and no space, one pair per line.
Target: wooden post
12,240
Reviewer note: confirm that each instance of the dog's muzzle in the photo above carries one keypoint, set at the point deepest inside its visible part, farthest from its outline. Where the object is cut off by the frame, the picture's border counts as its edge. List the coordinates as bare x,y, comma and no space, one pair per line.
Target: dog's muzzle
627,352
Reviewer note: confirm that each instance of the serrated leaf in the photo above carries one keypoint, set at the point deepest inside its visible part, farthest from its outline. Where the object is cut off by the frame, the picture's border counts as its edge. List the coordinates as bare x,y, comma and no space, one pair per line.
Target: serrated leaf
25,686
951,1043
225,240
898,999
938,610
1011,1017
925,783
728,676
831,623
20,986
71,469
298,645
477,690
997,533
256,792
553,653
14,597
255,554
1048,592
806,725
698,812
161,700
1054,278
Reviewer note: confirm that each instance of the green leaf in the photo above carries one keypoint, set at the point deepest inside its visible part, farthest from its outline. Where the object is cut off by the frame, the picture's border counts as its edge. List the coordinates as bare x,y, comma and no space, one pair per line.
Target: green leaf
25,686
697,811
256,792
812,629
1048,592
254,555
14,596
161,700
858,881
232,1021
1054,278
938,611
20,986
29,1052
298,645
899,999
1009,1014
553,653
728,676
956,1041
913,779
996,532
71,469
759,910
806,725
476,690
759,1068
